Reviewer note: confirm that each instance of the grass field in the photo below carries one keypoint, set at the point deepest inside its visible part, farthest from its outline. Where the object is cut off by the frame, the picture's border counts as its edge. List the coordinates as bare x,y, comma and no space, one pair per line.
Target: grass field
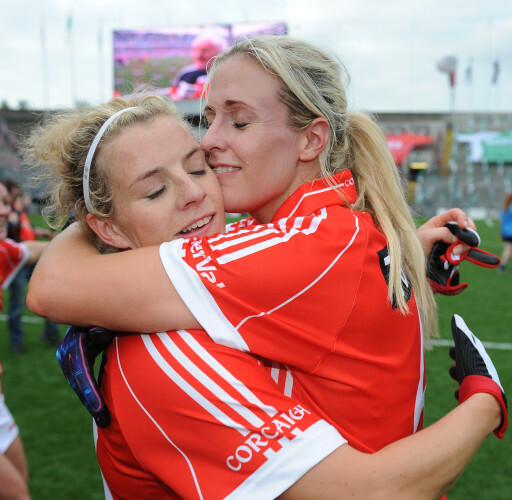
57,431
486,305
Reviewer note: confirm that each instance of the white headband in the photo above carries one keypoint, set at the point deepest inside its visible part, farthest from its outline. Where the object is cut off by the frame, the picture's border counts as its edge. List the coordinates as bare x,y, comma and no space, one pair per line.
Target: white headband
90,155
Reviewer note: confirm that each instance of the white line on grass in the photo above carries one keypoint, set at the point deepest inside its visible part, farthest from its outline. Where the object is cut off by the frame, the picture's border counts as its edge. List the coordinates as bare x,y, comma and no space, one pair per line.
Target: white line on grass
25,319
503,346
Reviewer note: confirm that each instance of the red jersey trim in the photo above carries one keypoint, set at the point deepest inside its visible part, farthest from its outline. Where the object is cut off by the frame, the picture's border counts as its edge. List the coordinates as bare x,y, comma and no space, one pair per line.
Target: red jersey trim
208,383
14,255
206,310
180,358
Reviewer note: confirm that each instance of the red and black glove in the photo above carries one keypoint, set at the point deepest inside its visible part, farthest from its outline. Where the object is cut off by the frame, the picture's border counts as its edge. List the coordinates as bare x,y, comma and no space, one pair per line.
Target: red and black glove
474,370
443,264
76,356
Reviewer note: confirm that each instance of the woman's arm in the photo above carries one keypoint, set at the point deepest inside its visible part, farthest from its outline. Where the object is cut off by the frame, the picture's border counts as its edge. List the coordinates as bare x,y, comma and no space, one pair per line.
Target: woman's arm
422,466
425,464
74,284
83,283
35,249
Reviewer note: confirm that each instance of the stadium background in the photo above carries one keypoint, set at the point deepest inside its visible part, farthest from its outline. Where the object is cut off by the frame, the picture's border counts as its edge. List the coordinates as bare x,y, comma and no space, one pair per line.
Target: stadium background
57,430
467,156
445,159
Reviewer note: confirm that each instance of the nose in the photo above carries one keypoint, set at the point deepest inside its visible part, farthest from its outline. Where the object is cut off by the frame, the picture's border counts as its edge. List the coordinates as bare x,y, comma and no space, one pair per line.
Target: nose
191,192
213,140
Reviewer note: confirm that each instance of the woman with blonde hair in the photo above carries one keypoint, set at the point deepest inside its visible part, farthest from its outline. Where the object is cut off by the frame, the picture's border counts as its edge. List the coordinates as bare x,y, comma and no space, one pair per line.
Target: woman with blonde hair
324,276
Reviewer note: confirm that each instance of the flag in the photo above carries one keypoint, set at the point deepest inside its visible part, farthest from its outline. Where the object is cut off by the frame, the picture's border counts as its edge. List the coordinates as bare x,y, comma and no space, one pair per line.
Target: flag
43,32
44,60
69,27
448,65
100,35
495,72
453,78
469,73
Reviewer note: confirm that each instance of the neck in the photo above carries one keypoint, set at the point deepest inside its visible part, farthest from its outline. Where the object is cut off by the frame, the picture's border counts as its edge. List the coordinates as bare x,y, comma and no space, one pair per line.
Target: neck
306,172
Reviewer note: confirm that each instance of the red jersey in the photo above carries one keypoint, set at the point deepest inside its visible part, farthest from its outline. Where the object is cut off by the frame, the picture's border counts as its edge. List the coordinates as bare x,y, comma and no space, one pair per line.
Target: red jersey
12,258
27,232
194,419
310,290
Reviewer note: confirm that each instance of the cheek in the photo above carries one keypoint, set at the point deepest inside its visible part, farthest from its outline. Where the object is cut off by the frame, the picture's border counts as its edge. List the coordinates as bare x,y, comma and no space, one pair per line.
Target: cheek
155,232
163,227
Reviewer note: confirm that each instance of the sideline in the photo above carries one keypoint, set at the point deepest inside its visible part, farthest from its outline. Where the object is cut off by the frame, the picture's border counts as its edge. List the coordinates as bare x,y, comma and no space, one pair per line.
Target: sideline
25,319
502,346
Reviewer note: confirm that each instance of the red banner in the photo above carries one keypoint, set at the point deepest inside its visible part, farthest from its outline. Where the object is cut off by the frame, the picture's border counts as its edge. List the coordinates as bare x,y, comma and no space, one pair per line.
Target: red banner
401,145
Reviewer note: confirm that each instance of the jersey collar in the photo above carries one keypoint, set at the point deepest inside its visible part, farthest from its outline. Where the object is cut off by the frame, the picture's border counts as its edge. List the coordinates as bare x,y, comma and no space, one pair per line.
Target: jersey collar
315,195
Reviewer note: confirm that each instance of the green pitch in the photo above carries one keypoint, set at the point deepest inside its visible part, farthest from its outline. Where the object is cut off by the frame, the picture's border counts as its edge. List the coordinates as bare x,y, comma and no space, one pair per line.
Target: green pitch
486,306
56,429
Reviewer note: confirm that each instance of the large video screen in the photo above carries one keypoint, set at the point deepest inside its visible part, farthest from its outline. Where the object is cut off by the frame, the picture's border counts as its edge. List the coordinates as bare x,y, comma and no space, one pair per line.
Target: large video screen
174,60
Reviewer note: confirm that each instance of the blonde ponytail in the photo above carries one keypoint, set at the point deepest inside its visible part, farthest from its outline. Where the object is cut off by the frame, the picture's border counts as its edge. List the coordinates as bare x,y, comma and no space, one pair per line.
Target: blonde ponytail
380,194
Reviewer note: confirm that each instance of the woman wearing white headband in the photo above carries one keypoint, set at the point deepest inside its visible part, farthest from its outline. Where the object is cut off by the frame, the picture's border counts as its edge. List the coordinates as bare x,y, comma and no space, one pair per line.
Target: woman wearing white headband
310,143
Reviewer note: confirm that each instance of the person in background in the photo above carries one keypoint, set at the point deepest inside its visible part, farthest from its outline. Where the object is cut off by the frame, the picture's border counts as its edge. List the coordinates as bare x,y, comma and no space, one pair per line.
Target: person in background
189,82
13,463
506,232
21,229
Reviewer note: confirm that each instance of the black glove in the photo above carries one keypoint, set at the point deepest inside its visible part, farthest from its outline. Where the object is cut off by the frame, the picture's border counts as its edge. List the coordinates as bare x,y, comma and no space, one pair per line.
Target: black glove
76,355
474,370
443,265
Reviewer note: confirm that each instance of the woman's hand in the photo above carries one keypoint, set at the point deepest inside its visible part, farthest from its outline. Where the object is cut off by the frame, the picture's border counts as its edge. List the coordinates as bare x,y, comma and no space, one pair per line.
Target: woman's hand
434,230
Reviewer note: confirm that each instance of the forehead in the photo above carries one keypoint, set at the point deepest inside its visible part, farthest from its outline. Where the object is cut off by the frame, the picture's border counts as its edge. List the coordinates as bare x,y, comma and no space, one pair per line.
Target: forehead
154,143
162,131
239,79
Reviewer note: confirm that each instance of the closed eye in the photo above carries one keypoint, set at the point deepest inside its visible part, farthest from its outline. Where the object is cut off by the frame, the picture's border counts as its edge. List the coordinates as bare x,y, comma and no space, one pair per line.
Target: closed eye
156,194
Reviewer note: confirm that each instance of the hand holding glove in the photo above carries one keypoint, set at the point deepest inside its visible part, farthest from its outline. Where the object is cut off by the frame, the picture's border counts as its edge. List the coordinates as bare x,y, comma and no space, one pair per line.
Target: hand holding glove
443,263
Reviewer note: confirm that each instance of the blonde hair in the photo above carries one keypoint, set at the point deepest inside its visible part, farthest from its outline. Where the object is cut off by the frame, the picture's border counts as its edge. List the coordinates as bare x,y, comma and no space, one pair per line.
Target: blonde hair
56,150
313,84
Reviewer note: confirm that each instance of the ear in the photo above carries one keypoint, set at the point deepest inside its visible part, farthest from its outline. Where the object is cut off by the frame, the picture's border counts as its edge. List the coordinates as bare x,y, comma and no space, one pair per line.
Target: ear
316,137
108,231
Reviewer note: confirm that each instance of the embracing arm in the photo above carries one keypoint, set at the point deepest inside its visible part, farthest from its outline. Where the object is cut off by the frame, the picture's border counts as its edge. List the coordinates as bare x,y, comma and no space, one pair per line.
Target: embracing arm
425,464
422,466
74,284
130,291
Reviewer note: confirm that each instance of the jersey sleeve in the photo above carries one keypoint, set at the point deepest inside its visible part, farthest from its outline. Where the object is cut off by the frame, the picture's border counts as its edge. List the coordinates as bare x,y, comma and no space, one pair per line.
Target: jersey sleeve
265,288
12,258
202,420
